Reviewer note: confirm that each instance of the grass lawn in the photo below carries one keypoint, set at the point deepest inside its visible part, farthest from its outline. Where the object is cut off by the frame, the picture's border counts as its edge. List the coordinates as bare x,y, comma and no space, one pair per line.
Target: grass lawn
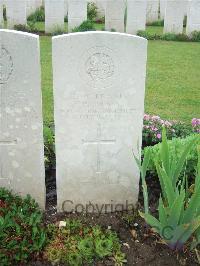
173,80
157,29
41,26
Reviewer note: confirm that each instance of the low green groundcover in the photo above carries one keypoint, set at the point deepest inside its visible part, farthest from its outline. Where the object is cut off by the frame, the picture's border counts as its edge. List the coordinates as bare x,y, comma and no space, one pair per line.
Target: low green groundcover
80,244
21,228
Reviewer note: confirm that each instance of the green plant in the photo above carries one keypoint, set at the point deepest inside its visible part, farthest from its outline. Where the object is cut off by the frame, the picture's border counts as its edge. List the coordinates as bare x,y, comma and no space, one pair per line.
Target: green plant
74,259
87,25
86,248
32,26
152,129
80,244
49,146
156,23
4,14
119,258
179,210
175,150
57,30
148,36
91,11
21,228
195,36
38,15
66,18
103,247
21,27
143,170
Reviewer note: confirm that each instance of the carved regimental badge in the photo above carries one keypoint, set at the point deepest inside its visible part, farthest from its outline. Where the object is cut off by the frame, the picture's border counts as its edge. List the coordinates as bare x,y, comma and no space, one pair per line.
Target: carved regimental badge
98,66
6,65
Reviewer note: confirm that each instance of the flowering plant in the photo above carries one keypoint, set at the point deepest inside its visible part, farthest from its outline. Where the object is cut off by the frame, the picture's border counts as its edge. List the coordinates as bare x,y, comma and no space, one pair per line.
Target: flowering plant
153,125
196,125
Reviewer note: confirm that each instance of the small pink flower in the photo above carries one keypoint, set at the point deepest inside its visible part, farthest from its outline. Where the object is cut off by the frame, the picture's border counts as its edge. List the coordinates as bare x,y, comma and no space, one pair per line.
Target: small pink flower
168,124
194,122
155,117
146,117
158,136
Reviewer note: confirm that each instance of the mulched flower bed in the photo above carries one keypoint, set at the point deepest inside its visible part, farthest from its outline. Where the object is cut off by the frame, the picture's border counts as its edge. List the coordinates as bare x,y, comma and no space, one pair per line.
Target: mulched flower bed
141,245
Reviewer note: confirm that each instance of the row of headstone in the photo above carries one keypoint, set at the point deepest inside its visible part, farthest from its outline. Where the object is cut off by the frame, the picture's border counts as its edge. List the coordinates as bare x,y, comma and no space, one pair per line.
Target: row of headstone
139,12
99,85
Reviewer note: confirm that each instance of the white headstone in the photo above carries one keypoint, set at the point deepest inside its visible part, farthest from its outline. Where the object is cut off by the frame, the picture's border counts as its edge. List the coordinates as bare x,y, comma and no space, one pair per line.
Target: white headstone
15,12
77,13
163,4
114,15
99,85
152,10
193,19
65,8
54,15
39,3
21,130
185,6
30,7
136,16
174,16
100,7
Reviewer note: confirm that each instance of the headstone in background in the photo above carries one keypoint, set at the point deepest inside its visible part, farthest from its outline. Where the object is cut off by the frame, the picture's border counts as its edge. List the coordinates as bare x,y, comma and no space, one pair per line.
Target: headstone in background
174,16
100,8
114,15
21,125
136,16
185,6
152,10
54,15
163,4
77,13
15,12
193,18
30,7
99,86
65,8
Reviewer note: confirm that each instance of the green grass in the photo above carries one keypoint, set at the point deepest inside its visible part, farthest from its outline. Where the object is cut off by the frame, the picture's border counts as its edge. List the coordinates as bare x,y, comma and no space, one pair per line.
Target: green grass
40,26
157,29
173,80
47,79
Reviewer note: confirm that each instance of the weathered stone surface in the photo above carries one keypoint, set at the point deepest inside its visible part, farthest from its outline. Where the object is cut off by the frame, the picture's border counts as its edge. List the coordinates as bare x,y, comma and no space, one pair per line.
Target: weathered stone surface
152,10
101,4
114,15
21,131
99,85
77,13
163,4
174,16
193,19
136,16
54,15
15,12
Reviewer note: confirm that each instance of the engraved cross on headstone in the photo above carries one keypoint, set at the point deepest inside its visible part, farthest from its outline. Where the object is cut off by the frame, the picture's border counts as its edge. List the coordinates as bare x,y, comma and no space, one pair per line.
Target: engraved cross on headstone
98,142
